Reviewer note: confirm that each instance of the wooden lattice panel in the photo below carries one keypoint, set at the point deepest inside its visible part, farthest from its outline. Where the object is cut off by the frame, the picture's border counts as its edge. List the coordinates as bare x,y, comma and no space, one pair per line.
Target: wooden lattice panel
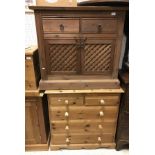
98,58
62,58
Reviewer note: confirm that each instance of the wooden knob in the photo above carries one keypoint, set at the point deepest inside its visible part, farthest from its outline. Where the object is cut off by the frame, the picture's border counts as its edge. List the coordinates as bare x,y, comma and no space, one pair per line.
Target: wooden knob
67,140
66,114
102,102
67,127
113,13
101,113
100,126
66,101
61,27
99,139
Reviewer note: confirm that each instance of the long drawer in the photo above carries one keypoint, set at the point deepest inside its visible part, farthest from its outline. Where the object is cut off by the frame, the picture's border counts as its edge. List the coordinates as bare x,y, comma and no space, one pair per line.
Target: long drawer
81,138
83,112
84,126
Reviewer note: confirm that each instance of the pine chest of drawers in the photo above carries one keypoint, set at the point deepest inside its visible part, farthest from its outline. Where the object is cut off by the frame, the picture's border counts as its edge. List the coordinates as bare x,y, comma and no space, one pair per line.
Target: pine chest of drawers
79,44
82,118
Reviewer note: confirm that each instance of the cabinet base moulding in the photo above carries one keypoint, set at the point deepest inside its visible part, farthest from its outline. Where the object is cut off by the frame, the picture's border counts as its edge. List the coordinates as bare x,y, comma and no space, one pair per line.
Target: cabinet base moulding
38,147
82,146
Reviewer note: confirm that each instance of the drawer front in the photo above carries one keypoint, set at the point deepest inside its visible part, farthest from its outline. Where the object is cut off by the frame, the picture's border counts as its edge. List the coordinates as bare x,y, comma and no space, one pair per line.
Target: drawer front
98,25
86,126
81,138
60,25
102,99
66,100
83,112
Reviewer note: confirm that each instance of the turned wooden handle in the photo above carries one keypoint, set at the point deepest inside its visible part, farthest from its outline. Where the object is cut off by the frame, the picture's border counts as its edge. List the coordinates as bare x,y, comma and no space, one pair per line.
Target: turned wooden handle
67,127
99,139
66,114
66,101
102,101
67,140
101,113
100,126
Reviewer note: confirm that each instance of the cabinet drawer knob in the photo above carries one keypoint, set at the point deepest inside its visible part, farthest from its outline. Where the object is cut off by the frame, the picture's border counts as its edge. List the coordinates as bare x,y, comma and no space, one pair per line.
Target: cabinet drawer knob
99,139
102,102
113,13
66,101
100,126
61,27
99,28
67,127
101,113
66,114
67,140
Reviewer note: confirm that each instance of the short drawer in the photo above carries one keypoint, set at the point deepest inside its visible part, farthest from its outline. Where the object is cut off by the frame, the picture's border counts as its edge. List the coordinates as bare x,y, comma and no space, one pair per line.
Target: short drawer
65,100
81,138
61,25
102,99
85,126
83,112
98,25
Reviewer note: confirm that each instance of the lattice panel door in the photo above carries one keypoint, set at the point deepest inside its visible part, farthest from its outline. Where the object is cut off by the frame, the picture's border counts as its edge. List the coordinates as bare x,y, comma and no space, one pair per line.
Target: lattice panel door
62,57
97,57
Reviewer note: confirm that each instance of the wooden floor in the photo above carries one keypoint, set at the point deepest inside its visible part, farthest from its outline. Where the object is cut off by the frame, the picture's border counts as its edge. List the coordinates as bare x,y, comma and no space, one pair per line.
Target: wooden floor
81,152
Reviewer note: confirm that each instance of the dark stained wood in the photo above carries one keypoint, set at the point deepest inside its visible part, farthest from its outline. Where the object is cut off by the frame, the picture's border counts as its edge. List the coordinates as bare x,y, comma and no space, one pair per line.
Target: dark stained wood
79,8
72,38
122,136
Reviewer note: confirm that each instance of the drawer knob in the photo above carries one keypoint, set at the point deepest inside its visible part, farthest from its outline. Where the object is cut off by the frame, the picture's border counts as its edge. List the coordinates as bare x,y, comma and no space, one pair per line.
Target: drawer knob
99,28
61,27
66,114
99,139
102,102
67,140
113,13
100,126
66,101
67,127
101,113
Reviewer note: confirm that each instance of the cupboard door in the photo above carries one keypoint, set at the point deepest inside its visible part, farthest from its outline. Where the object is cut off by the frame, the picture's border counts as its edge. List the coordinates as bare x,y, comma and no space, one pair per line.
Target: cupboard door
32,133
97,56
62,56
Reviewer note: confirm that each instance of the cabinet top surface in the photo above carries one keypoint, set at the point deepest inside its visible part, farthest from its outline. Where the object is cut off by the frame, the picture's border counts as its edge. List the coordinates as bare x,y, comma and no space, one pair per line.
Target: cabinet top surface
30,50
78,8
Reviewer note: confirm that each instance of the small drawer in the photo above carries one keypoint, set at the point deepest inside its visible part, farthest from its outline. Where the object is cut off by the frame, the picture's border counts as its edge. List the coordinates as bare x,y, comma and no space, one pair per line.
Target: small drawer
85,126
83,112
102,99
98,25
79,138
65,100
60,25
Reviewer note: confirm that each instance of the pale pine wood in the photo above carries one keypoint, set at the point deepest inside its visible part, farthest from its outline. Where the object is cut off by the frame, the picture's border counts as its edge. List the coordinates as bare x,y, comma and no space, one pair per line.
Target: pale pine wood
106,91
81,138
83,112
84,126
83,146
38,147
